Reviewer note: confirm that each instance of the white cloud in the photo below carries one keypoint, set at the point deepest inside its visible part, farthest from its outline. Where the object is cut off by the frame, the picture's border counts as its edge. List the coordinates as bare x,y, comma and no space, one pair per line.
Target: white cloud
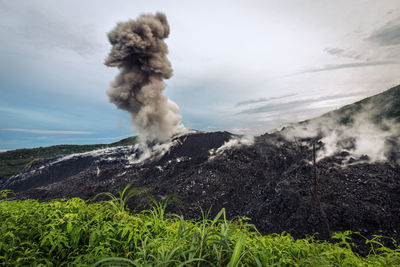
218,60
35,131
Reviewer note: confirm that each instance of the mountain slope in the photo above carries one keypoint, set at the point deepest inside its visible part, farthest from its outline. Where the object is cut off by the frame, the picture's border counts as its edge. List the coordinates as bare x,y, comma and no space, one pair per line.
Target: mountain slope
271,179
382,109
14,161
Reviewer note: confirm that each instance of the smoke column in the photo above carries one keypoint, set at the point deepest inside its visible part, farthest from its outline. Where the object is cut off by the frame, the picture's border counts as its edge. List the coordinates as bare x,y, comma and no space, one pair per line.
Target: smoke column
139,51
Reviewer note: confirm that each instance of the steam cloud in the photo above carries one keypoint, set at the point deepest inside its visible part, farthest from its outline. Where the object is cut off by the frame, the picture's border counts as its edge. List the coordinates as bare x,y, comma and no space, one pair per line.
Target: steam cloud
362,139
139,51
233,143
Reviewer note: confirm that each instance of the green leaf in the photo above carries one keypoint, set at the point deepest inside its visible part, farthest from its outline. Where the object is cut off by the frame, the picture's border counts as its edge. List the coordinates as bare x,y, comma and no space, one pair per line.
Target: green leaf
236,255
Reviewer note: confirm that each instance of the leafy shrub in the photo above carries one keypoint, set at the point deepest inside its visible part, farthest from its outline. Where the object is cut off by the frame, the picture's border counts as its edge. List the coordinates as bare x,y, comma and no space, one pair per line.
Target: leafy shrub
76,233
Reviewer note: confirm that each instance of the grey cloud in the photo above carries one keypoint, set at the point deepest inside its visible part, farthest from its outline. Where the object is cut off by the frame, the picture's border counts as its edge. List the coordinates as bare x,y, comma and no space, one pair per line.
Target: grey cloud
334,51
349,66
261,100
44,30
387,35
293,105
340,52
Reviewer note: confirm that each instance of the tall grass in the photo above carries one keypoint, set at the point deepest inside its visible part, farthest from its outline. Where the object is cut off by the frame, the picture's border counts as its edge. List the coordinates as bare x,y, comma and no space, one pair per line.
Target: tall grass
76,233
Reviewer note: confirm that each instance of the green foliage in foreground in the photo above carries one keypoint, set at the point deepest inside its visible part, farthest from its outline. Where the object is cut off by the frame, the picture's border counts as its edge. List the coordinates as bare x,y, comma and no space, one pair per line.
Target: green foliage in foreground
75,233
14,161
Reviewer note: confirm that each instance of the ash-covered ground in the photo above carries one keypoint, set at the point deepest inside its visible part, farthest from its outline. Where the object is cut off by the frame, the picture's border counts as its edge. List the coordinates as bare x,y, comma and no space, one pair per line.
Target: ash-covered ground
266,178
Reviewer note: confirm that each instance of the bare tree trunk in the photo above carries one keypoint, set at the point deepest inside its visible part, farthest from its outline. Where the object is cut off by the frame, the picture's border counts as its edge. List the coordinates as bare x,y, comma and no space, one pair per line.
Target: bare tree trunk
316,195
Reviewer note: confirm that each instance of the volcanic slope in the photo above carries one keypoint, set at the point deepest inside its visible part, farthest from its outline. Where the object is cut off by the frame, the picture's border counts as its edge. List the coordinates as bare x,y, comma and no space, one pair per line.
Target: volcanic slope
269,179
382,110
15,161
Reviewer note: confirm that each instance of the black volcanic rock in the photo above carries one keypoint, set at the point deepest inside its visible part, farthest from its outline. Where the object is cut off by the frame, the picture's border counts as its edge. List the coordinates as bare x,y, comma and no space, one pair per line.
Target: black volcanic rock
270,181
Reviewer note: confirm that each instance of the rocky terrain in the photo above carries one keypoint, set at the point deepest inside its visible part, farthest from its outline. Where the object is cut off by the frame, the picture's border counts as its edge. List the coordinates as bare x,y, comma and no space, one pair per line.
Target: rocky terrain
354,183
269,179
14,161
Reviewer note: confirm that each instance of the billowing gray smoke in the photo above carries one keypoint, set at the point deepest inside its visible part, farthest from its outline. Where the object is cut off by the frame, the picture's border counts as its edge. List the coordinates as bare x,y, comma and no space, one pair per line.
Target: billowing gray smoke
139,51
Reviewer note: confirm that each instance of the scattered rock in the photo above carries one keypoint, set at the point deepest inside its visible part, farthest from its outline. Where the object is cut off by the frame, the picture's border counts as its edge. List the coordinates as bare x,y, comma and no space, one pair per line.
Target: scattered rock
270,181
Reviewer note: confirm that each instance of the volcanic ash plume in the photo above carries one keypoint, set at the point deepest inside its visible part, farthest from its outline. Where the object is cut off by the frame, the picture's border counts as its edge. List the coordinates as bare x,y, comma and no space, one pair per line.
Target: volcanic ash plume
139,51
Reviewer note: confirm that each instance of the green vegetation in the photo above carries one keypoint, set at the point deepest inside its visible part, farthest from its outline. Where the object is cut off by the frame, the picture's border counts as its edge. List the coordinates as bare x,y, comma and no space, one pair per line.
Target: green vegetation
76,233
380,109
13,162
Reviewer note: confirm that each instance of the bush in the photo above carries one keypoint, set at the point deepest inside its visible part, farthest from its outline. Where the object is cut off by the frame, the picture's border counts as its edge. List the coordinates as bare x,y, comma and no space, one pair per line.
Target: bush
77,233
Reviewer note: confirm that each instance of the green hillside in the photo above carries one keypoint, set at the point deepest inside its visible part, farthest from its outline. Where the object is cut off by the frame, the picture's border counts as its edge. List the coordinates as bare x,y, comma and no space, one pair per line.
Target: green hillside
382,109
14,161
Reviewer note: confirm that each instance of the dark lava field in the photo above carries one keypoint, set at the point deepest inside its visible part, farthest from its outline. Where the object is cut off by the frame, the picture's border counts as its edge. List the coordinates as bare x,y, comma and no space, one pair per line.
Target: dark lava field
271,180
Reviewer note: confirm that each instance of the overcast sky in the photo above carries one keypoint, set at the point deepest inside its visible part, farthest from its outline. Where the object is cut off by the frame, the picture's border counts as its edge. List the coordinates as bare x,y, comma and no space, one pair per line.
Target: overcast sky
240,66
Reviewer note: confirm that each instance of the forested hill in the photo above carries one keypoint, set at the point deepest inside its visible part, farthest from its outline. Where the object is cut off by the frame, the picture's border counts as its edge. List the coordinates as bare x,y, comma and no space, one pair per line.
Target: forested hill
14,161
